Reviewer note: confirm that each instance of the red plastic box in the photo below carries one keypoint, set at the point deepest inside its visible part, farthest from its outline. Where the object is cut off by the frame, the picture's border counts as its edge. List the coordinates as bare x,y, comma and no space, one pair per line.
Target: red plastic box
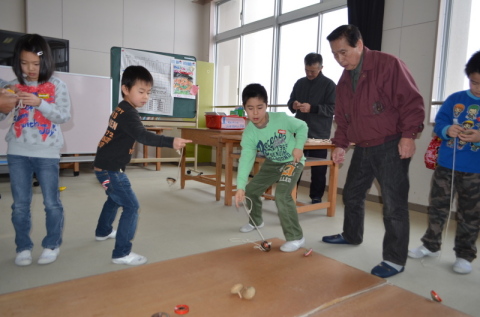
225,122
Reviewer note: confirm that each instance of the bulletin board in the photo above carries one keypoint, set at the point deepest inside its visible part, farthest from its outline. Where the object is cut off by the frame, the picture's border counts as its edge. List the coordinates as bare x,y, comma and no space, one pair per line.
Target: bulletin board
182,107
90,97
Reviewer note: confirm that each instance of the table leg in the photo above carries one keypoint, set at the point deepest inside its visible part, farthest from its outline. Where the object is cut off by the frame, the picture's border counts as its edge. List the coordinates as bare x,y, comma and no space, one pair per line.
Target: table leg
228,174
158,155
182,168
218,172
145,154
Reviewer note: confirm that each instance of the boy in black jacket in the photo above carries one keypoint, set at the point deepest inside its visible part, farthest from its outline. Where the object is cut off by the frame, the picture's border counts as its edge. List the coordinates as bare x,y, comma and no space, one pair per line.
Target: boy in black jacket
114,153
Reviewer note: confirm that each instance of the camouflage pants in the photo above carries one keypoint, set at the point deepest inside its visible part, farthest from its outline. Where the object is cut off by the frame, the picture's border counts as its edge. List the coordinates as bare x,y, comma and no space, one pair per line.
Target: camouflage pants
467,188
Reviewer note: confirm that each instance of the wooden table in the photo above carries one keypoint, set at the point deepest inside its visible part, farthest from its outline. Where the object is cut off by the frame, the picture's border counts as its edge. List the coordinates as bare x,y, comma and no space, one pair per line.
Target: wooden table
210,137
287,284
158,154
331,202
228,140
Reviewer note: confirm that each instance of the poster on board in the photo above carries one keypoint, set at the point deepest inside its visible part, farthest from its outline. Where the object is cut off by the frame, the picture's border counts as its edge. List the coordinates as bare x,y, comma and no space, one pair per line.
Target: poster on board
184,73
91,107
161,99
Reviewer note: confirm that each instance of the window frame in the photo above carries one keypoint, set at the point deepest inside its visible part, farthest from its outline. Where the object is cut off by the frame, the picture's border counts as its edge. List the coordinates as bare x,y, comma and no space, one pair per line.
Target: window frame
274,22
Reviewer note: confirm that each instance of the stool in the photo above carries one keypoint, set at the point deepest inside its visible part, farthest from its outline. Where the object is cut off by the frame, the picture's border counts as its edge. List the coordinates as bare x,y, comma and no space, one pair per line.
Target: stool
303,207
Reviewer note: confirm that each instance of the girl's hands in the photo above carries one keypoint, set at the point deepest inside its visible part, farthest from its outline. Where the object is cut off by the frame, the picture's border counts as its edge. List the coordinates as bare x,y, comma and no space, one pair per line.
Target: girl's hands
29,99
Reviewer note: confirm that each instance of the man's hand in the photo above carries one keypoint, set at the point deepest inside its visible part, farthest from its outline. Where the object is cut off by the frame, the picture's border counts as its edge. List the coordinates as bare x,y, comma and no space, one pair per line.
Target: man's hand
296,105
304,107
338,155
406,148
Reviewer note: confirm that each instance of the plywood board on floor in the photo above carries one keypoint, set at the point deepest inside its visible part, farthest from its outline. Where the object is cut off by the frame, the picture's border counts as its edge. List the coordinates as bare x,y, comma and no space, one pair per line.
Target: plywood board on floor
387,300
287,284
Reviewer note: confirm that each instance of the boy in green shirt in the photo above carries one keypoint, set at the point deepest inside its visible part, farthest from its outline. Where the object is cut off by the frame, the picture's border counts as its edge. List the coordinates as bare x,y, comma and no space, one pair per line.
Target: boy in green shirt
280,138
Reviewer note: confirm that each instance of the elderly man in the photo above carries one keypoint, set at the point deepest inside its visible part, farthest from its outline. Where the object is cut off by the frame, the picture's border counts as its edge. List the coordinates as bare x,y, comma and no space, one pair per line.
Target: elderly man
380,109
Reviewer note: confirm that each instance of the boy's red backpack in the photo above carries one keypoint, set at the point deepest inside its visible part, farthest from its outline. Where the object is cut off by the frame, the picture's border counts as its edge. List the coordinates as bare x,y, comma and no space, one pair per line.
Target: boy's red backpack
431,154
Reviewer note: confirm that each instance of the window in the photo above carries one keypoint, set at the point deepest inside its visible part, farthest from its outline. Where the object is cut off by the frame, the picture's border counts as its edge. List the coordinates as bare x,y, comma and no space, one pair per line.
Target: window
269,48
256,66
330,21
257,10
227,70
457,41
229,15
291,5
293,48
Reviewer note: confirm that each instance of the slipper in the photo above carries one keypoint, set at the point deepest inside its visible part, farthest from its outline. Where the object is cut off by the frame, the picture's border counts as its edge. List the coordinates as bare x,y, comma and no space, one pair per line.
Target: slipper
384,270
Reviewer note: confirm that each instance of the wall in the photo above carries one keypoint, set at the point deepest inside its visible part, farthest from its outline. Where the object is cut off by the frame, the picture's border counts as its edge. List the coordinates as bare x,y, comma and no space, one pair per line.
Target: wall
94,26
12,15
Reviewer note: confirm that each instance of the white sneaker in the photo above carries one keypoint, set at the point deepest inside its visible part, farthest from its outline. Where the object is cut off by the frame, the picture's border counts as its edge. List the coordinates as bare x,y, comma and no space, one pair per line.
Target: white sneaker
48,256
131,259
24,258
248,227
112,235
462,266
420,252
294,245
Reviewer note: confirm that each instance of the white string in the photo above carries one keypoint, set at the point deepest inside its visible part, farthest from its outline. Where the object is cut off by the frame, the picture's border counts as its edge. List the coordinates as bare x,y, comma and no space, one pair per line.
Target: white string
170,180
248,211
239,240
451,195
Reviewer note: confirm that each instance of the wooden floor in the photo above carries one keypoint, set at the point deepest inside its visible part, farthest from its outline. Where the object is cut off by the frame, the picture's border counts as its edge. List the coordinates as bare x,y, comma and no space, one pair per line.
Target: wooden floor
287,284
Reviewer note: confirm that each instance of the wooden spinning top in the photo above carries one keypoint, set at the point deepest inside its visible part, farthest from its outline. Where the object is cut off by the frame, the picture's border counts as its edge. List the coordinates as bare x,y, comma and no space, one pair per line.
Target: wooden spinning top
243,292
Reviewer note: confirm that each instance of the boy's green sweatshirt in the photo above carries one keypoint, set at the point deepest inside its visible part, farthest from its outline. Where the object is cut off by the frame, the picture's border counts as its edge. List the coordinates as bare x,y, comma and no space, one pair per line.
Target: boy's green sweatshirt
276,142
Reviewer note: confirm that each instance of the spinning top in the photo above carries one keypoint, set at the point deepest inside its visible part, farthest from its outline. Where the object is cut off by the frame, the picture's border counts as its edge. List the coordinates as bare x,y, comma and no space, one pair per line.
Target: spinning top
266,246
237,289
248,292
171,181
435,296
243,292
308,252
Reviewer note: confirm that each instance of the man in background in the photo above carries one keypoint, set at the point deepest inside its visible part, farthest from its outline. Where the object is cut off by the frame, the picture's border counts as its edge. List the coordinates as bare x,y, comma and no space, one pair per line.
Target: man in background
313,101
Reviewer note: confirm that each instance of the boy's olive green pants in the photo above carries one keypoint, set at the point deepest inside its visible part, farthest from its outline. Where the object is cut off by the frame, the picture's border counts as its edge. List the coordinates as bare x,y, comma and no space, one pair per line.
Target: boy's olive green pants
287,175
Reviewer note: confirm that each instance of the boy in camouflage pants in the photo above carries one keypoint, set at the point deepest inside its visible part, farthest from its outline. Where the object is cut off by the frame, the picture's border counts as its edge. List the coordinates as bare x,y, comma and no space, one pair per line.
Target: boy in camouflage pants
458,160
